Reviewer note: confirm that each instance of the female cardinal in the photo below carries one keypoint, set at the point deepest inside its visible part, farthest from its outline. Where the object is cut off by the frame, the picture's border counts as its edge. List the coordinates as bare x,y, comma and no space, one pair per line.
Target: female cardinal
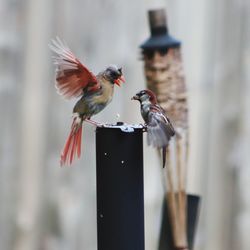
159,127
73,79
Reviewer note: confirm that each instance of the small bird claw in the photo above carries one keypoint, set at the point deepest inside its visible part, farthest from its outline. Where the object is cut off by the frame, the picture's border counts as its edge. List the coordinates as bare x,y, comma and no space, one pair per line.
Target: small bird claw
97,124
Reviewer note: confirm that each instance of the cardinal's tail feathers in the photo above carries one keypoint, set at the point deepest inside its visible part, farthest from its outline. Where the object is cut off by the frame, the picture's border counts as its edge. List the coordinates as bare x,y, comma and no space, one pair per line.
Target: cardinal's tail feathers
73,143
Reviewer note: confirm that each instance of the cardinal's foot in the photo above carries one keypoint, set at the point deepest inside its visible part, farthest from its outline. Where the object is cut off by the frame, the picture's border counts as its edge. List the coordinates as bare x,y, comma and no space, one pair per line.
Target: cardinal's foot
97,124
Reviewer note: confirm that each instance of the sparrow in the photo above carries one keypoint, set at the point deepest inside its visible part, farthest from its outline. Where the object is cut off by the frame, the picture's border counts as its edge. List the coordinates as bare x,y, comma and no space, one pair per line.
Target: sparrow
95,92
158,126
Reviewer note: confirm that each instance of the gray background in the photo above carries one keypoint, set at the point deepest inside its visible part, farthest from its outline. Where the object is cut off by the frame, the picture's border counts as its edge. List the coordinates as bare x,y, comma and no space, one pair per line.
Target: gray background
43,206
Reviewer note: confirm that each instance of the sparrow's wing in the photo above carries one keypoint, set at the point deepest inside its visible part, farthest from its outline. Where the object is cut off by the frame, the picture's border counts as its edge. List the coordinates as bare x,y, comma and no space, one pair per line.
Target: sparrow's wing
72,77
159,128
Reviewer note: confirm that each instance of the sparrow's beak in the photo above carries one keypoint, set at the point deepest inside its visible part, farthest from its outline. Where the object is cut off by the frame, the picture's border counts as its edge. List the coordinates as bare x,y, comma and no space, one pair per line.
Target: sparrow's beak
119,80
136,97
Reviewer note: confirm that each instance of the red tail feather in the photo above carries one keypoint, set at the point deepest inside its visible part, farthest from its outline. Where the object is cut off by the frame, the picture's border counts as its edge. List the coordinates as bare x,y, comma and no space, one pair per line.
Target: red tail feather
73,143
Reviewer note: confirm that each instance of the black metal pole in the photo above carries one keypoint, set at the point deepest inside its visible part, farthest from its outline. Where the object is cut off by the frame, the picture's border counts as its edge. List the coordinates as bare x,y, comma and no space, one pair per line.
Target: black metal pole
120,195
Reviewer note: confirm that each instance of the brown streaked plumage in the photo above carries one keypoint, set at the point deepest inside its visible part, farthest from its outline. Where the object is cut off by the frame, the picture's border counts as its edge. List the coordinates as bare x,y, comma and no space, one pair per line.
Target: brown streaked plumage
159,127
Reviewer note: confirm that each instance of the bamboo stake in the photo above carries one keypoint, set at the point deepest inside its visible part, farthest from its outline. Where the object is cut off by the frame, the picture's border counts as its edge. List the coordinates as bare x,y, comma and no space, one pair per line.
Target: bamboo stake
171,197
180,193
186,154
176,197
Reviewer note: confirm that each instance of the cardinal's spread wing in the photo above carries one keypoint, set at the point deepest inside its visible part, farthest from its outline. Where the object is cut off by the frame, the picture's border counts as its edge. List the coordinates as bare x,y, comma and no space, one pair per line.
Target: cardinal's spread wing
72,77
159,127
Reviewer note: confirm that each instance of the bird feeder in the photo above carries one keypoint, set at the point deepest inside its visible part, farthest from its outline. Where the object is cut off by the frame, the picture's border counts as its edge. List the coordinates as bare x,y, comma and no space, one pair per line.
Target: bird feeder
164,75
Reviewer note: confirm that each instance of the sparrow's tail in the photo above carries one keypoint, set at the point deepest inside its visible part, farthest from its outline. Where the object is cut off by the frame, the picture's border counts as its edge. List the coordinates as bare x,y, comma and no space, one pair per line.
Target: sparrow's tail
164,152
72,146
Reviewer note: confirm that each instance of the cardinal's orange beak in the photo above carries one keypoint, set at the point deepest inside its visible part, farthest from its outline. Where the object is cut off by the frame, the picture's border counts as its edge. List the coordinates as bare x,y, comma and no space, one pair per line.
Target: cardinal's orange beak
119,80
